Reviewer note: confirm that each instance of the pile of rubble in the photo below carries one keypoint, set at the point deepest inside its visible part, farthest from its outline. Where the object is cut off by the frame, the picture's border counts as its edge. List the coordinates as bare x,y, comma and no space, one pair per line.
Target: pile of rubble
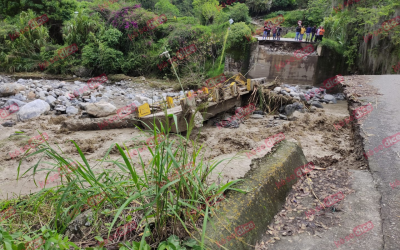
306,94
311,95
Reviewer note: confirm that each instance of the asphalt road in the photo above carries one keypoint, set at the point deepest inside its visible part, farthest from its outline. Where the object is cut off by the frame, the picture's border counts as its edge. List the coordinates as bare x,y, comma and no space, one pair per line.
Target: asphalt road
384,121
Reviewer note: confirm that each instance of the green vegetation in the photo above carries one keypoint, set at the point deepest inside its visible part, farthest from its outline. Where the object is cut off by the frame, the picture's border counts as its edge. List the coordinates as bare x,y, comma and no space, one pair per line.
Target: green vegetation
160,196
290,35
346,30
105,40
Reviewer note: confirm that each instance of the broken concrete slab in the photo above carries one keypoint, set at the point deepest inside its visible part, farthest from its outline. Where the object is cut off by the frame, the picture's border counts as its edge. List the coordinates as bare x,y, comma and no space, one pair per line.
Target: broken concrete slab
94,124
212,110
253,211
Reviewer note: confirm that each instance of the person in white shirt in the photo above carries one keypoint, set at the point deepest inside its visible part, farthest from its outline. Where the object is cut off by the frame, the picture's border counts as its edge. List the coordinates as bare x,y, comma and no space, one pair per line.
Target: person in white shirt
317,34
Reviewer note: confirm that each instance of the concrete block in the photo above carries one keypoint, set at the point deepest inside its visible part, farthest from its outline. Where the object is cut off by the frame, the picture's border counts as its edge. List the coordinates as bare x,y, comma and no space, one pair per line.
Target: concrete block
242,218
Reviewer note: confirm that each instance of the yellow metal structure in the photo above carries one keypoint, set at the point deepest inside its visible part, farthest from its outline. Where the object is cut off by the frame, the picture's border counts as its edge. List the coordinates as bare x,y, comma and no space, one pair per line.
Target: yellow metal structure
248,84
239,79
233,89
170,102
144,110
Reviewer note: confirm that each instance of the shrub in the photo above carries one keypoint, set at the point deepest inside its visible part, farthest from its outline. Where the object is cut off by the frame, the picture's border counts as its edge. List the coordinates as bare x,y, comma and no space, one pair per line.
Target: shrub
290,35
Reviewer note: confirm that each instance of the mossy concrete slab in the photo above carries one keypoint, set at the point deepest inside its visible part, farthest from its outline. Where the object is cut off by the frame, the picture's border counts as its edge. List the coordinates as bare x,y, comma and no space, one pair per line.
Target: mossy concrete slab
241,219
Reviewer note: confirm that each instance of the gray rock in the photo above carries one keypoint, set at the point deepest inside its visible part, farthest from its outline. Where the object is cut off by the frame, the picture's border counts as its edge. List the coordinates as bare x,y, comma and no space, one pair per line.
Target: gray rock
71,110
62,98
282,116
11,89
329,97
15,102
298,106
8,124
339,96
259,112
82,105
61,85
20,96
317,104
58,92
101,109
50,100
78,225
60,108
33,109
47,87
257,116
277,89
289,109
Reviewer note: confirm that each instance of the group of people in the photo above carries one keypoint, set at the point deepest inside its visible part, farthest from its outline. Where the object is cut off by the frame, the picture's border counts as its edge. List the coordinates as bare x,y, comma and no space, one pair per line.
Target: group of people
310,33
300,30
276,32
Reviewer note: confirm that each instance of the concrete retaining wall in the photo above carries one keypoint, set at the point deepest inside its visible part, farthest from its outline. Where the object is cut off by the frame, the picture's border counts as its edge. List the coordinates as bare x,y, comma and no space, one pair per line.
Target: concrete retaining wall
242,218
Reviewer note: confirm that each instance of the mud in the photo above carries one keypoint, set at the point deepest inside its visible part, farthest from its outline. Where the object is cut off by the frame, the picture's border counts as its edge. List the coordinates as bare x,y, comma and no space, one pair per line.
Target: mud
321,143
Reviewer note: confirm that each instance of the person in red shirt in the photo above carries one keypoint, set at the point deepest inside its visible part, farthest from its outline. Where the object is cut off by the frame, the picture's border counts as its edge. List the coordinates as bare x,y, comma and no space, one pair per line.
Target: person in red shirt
321,33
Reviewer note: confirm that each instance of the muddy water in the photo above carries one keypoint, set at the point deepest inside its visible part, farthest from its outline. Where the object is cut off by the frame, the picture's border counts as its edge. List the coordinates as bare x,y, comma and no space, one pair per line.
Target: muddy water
338,109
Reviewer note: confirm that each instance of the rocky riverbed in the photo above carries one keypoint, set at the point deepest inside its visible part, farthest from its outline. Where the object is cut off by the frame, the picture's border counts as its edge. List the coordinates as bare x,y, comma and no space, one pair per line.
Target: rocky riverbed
219,143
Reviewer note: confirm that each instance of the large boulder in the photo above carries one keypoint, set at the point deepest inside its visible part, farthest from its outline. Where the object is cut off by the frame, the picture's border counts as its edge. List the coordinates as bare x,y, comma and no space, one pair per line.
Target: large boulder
11,89
33,109
100,109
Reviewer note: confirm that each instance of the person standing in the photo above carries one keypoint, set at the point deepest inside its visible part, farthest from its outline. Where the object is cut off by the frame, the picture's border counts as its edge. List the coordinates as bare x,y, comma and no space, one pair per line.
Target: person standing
268,32
321,33
298,29
308,33
265,32
313,30
274,33
303,30
317,34
278,32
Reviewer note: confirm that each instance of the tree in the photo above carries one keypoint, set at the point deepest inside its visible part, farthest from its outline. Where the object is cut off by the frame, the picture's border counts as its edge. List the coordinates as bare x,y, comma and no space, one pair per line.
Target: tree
206,10
184,6
239,12
56,10
257,6
237,35
280,4
165,7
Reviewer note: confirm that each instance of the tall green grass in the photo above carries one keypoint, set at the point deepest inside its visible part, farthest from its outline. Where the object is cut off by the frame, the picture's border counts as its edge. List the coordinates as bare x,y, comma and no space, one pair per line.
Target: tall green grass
131,192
